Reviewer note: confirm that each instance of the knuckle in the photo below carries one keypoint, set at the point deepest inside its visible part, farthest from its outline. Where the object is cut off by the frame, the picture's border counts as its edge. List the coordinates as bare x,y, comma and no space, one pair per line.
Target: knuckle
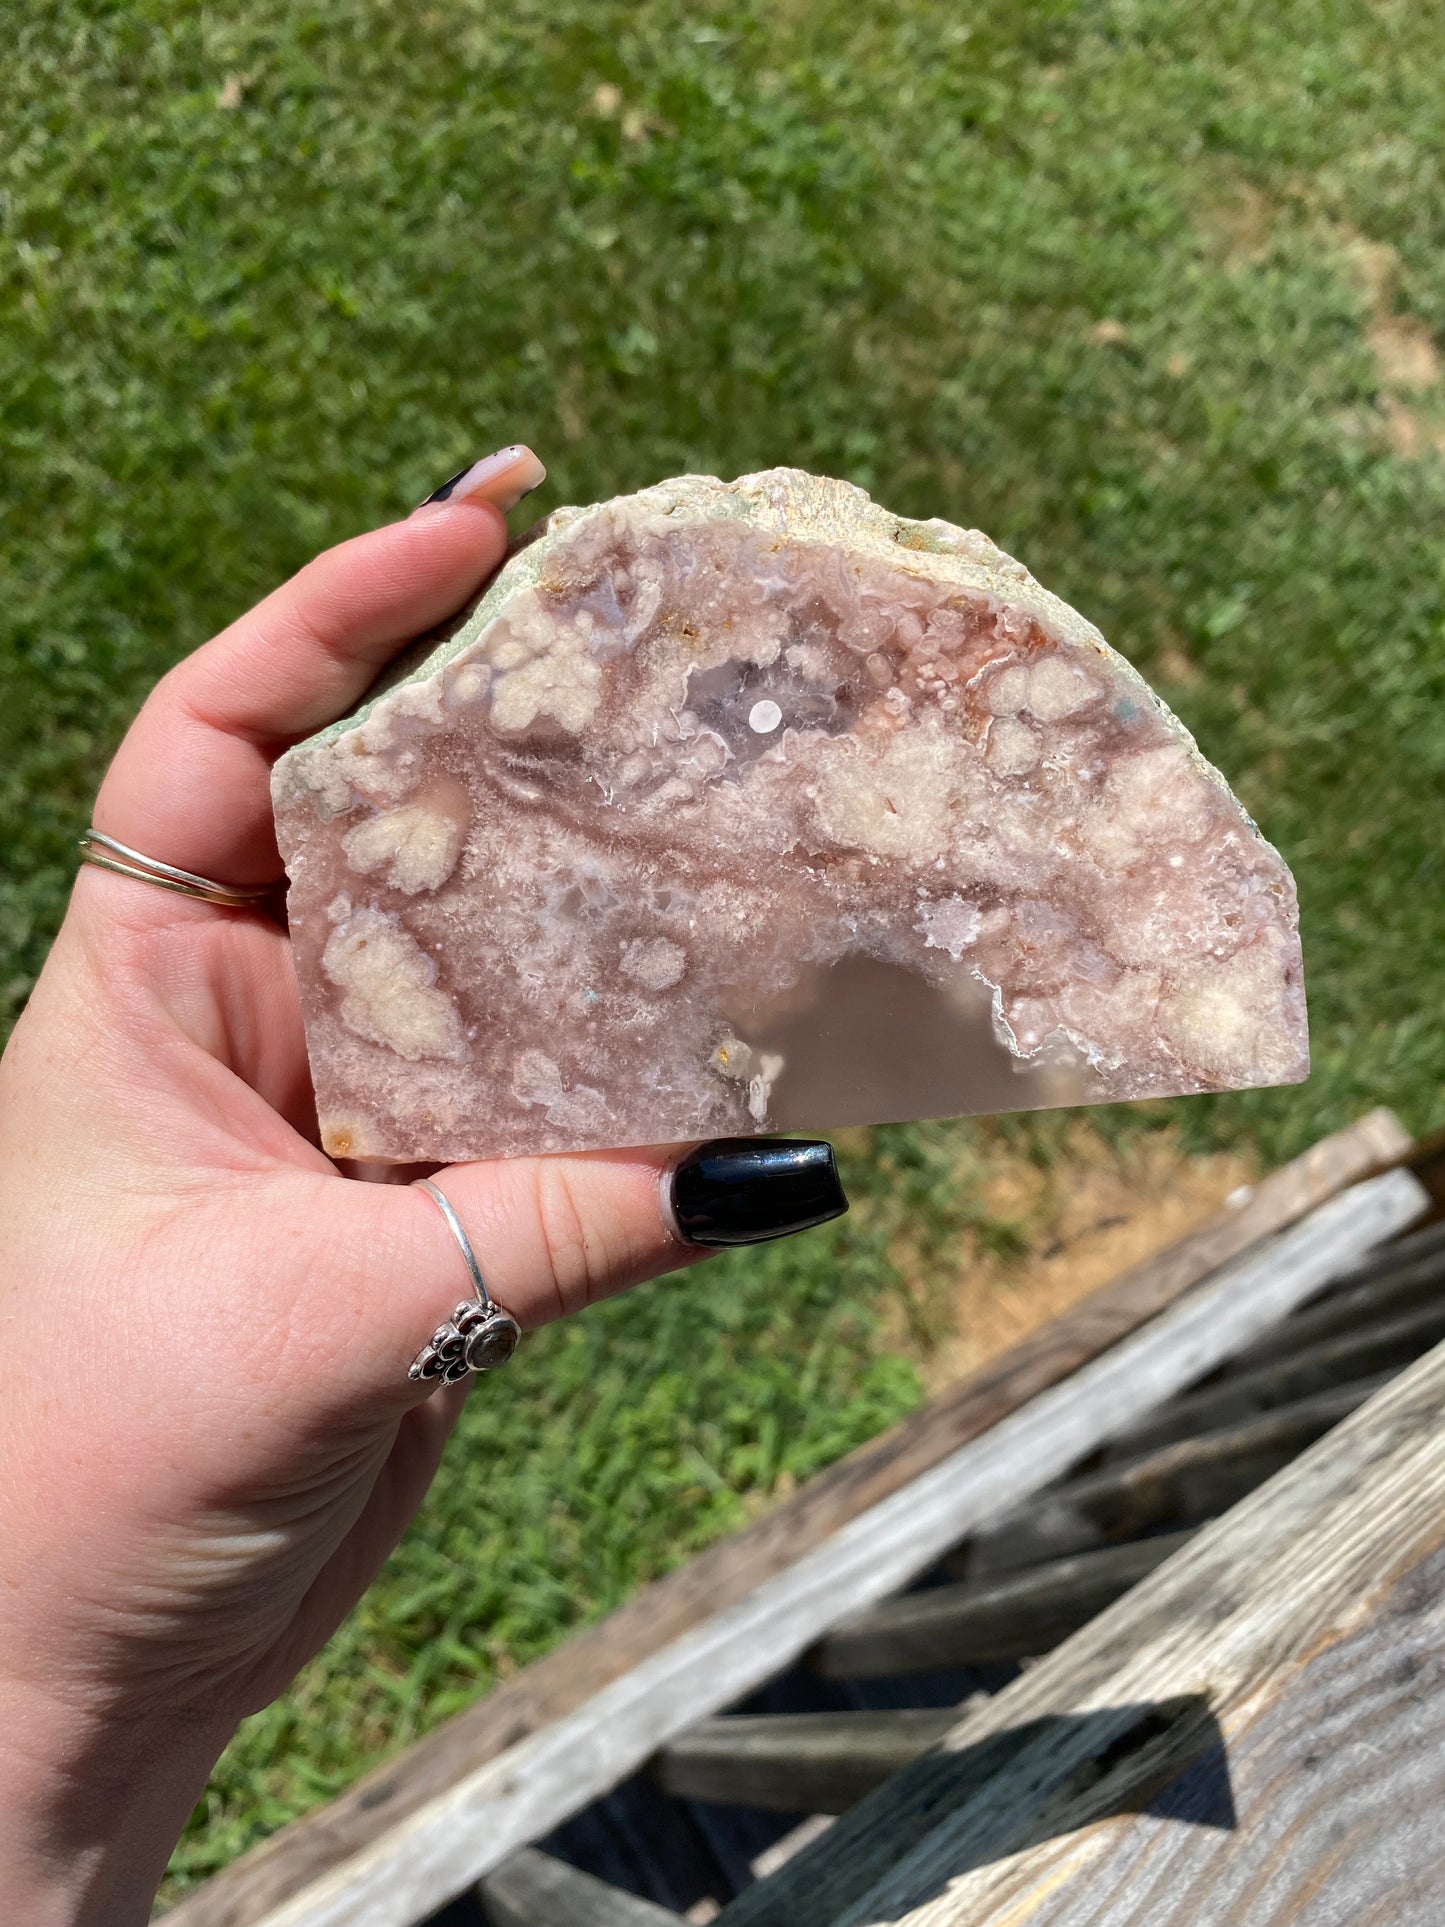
575,1255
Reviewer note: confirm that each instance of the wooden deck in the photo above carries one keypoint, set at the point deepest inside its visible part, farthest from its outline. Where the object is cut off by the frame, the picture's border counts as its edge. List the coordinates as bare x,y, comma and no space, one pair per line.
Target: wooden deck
1070,1500
1256,1724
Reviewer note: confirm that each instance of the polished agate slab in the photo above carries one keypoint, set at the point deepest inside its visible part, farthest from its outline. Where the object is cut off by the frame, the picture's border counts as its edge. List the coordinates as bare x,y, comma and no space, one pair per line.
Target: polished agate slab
743,807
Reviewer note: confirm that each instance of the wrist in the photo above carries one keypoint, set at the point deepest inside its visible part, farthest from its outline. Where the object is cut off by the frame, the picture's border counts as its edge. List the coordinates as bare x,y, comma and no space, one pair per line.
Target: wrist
91,1807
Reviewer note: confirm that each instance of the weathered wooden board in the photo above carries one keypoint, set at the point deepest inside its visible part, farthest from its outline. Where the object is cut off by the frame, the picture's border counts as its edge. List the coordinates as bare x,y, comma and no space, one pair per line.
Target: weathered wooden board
364,1856
1336,1784
1011,1617
1400,1254
1235,1398
790,1844
1219,1691
1427,1160
1353,1303
1192,1481
797,1762
535,1890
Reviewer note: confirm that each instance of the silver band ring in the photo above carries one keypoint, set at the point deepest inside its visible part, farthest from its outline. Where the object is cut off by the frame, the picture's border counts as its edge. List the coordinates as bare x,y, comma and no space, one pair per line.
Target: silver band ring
106,854
480,1335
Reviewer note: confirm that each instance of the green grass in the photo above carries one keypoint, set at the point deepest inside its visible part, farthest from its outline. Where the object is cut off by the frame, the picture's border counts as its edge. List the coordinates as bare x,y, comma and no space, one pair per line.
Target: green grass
1117,280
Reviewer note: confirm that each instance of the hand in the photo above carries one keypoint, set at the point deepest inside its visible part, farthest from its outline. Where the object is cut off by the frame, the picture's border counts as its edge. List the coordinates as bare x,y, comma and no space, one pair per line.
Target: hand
210,1440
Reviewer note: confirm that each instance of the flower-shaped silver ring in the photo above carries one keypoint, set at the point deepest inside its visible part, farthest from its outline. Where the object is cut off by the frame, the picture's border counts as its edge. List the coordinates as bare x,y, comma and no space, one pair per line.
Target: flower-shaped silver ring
480,1335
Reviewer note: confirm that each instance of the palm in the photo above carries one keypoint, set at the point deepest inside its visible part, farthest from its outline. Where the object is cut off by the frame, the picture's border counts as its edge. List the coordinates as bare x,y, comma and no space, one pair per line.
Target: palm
251,1016
374,1481
268,1530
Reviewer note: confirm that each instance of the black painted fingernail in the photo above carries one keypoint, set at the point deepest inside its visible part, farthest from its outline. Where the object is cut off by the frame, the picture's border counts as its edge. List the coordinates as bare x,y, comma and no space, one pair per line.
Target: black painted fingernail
744,1190
443,494
503,479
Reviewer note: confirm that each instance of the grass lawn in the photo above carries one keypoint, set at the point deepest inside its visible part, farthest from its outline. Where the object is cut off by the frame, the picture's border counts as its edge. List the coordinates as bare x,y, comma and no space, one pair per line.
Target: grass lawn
1150,290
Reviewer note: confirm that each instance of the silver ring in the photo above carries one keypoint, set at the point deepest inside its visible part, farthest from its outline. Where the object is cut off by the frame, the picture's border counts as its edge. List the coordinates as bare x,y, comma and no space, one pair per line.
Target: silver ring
480,1335
107,854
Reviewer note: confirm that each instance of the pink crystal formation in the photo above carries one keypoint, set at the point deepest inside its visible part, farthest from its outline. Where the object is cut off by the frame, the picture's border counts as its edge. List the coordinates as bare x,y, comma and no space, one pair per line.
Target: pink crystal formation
749,806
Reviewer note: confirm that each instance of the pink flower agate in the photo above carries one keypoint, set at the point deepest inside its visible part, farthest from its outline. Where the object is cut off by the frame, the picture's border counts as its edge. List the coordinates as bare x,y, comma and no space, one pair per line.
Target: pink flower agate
749,806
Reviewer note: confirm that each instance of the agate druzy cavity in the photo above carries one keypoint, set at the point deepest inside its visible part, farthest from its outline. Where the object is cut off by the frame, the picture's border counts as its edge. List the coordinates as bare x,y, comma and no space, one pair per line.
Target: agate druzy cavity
749,806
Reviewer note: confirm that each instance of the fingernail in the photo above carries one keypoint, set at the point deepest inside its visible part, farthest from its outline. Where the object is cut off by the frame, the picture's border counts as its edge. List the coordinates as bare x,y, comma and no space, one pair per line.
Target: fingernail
501,479
745,1190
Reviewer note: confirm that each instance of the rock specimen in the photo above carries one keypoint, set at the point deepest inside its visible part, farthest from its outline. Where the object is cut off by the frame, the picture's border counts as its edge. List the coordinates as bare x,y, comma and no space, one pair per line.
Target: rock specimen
748,806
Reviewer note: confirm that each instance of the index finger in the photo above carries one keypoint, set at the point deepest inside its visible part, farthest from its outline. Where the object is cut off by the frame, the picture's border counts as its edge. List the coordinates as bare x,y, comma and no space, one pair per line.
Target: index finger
190,784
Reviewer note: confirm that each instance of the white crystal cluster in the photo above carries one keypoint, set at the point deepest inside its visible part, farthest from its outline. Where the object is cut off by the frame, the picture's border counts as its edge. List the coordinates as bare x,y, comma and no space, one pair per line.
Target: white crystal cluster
750,806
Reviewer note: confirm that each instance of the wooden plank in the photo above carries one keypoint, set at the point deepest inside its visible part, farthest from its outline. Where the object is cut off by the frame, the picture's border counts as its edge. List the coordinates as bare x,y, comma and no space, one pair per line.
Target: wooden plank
1020,1813
1012,1617
1400,1254
368,1827
791,1843
1234,1399
1335,1785
797,1762
1426,1159
1190,1482
536,1890
1349,1305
